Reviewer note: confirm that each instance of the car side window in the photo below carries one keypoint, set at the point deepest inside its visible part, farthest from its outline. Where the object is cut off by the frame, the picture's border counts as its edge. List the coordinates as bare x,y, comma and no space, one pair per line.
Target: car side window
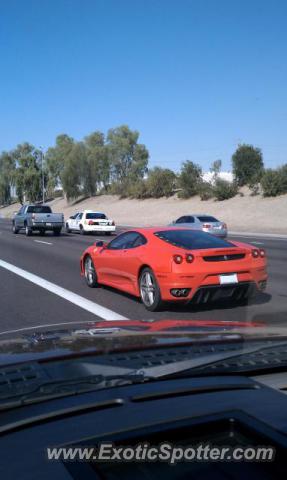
123,241
79,216
21,211
180,220
189,219
140,240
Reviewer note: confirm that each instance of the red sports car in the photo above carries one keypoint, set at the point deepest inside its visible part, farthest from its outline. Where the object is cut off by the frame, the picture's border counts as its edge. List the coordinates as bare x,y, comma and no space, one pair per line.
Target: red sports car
175,264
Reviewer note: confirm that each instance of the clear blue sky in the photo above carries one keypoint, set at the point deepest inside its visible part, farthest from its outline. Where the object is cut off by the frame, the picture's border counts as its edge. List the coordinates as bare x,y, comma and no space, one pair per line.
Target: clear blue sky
195,77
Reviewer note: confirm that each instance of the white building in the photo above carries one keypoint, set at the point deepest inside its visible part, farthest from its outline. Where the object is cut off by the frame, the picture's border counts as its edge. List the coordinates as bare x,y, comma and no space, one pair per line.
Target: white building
209,177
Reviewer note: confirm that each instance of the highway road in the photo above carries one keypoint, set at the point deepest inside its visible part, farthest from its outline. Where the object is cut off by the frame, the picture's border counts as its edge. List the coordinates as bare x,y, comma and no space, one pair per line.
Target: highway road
40,285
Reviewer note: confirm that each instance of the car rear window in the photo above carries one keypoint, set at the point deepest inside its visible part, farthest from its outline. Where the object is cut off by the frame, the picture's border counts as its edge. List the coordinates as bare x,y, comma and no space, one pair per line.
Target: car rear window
205,218
93,216
39,209
192,239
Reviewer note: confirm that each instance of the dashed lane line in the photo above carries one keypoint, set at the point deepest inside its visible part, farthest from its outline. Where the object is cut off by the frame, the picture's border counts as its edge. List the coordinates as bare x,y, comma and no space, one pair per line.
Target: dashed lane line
42,241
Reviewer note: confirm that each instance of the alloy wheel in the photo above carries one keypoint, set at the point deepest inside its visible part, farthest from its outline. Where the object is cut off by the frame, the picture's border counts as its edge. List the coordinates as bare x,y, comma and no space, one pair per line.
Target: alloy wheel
148,289
90,272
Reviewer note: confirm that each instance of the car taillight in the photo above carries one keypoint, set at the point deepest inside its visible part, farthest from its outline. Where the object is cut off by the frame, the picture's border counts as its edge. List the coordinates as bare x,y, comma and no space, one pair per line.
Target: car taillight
189,258
90,222
262,252
206,225
255,253
113,223
224,226
178,259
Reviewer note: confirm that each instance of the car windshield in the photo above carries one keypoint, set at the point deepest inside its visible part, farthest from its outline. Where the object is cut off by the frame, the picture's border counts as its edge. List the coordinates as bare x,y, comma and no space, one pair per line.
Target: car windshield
95,216
192,240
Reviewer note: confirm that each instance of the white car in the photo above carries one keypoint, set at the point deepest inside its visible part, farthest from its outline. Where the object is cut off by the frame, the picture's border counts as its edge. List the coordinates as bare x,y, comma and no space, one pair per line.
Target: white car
89,221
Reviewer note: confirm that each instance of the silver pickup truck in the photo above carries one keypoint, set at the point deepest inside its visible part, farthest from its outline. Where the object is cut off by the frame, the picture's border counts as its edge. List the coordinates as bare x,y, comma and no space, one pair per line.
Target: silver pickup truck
37,217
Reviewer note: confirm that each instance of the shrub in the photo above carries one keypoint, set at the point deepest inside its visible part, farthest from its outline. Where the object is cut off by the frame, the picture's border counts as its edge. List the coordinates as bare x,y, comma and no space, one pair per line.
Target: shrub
161,182
283,178
224,189
119,188
189,179
138,190
205,191
271,183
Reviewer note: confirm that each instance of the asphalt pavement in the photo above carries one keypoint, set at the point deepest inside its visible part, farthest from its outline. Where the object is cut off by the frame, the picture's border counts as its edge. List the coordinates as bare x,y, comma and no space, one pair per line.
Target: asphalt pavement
40,284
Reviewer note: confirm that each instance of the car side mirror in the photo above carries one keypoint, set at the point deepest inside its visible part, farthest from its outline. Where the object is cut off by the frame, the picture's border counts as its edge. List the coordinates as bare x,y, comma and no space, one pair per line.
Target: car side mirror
100,243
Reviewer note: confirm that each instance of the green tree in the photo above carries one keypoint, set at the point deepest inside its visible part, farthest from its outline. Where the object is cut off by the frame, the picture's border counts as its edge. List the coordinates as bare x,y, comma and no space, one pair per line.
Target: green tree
96,172
7,169
27,177
128,158
55,160
161,182
248,165
72,174
190,179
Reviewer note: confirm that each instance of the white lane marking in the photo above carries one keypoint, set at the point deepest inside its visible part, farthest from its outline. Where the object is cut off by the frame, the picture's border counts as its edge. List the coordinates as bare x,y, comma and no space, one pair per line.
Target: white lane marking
42,241
257,243
74,298
47,325
269,236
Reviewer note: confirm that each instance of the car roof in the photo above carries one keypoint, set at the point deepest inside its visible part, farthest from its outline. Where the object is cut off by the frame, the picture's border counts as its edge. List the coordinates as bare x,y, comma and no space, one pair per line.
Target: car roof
35,205
151,230
197,215
93,211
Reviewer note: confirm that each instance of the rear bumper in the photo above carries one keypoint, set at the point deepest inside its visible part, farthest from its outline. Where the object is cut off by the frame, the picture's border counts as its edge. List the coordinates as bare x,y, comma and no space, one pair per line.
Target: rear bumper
210,285
212,293
99,228
221,233
46,226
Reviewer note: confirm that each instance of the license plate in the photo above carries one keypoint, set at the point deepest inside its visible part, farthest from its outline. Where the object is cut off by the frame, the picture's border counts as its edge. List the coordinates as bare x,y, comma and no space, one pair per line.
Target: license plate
48,224
227,279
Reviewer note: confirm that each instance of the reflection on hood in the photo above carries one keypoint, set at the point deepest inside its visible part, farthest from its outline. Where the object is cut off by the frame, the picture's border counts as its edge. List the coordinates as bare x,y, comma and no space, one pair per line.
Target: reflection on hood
124,335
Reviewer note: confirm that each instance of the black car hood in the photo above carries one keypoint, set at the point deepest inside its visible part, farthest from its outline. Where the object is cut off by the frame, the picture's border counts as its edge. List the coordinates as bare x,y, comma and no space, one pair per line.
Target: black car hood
66,340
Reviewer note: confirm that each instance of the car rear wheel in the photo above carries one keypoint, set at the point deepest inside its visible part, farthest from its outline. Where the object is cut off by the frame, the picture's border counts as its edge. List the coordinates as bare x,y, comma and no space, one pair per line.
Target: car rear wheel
90,272
28,231
149,290
15,229
82,231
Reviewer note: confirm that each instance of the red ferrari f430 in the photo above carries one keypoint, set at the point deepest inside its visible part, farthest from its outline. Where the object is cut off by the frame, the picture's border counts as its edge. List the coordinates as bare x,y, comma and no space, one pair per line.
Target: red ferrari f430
176,264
